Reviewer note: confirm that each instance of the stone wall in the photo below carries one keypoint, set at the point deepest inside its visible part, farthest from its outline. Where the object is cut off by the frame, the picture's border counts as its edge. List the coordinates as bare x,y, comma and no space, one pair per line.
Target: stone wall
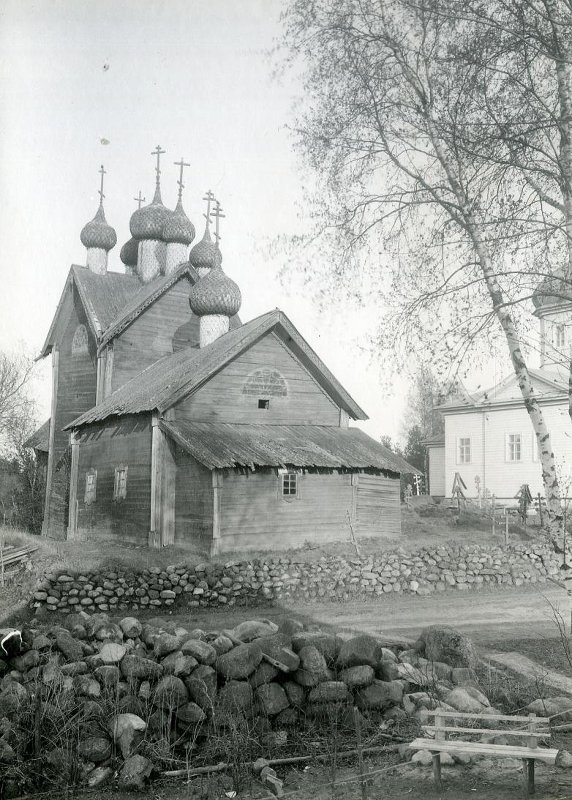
450,567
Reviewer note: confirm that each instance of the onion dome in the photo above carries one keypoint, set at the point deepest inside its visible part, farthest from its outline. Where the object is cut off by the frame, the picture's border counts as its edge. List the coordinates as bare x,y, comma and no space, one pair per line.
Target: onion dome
553,289
215,293
148,222
205,254
178,227
128,253
98,233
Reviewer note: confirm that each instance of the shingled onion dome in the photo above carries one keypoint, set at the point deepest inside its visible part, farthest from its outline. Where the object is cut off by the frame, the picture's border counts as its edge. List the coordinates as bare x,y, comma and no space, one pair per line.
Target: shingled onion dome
205,254
179,228
128,254
214,298
553,289
98,237
148,222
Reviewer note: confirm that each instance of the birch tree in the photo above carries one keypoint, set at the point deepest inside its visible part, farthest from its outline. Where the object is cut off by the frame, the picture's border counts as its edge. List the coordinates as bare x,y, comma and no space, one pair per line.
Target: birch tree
395,127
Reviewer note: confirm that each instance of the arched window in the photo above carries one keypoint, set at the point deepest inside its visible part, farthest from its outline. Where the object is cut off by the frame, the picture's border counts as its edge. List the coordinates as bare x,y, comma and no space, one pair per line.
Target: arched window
265,383
79,341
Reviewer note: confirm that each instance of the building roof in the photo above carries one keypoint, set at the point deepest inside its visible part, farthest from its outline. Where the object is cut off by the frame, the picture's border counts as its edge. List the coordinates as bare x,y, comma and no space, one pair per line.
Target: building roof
554,289
102,298
436,440
40,440
549,385
220,445
165,382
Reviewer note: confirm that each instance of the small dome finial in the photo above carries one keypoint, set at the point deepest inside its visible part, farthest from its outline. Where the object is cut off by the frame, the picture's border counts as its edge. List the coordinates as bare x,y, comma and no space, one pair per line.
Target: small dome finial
101,195
158,152
178,229
205,255
181,164
140,199
218,215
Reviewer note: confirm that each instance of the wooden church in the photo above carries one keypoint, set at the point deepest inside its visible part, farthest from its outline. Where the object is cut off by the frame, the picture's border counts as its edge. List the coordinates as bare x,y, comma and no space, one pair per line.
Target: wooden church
173,422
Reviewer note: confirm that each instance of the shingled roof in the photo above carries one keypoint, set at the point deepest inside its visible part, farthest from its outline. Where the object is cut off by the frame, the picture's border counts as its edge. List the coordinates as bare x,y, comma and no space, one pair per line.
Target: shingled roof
40,440
102,298
220,445
166,381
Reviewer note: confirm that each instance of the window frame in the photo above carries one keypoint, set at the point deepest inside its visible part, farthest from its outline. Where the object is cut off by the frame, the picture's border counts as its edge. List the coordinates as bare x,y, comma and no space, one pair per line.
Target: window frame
461,459
559,334
286,475
508,446
83,348
119,490
90,489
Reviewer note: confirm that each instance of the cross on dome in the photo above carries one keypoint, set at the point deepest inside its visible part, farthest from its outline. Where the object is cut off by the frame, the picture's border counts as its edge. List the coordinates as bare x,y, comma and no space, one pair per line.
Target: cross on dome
218,215
140,199
158,153
101,195
181,164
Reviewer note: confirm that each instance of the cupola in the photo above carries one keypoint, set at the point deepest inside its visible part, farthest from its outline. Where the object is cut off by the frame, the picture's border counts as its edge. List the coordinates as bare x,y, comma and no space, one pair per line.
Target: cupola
98,237
178,230
205,254
146,226
215,298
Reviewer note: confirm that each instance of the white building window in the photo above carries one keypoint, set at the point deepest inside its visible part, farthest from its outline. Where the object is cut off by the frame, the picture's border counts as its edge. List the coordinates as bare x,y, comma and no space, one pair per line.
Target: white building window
120,484
559,336
464,451
514,447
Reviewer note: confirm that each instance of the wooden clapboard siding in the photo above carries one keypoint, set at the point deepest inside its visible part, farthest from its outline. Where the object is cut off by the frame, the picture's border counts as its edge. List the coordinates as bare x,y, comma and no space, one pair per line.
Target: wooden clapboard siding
165,326
105,446
222,399
254,515
193,502
75,391
436,470
378,506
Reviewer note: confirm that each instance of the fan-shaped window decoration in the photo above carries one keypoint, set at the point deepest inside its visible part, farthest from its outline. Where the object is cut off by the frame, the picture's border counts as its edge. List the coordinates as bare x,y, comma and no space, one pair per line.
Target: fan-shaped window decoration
79,341
265,383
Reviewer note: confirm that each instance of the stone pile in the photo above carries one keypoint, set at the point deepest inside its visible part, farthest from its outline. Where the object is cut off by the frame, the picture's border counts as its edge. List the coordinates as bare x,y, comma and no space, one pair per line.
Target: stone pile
430,570
95,698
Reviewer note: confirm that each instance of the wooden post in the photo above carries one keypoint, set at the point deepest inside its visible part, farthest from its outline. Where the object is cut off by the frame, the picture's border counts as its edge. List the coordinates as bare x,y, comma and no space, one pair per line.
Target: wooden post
436,756
528,763
217,489
156,464
107,382
74,478
168,484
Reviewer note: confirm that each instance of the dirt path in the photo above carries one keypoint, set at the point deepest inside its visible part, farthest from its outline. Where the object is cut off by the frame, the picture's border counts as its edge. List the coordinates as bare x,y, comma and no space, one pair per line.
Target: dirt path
487,616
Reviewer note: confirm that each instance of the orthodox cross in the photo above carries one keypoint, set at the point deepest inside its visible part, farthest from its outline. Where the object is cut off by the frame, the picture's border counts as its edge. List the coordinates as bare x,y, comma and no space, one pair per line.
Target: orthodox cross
158,152
217,214
209,197
101,195
139,199
181,164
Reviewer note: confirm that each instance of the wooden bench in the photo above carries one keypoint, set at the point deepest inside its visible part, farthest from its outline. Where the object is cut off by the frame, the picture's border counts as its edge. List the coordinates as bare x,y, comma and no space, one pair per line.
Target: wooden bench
451,729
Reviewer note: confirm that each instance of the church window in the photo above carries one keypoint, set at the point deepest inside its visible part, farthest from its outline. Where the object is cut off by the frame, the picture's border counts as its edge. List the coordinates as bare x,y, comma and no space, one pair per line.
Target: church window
559,336
265,383
90,487
289,484
514,447
120,484
79,341
264,404
464,450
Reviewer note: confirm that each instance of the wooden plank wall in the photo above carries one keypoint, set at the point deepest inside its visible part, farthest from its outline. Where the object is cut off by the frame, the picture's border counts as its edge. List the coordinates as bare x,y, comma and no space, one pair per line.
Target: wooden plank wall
193,502
167,325
378,506
126,441
254,515
76,388
223,400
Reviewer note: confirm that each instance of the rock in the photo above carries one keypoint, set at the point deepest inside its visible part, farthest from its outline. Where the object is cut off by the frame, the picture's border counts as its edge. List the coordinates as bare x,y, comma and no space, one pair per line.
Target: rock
95,748
108,631
70,647
112,653
222,644
443,643
131,627
550,706
109,676
272,699
134,773
178,664
137,667
190,714
99,777
75,668
264,673
330,692
358,651
236,697
86,686
202,687
379,695
563,759
170,693
240,662
463,675
254,629
326,643
354,677
387,670
460,699
164,644
295,693
203,652
130,704
313,667
422,757
127,730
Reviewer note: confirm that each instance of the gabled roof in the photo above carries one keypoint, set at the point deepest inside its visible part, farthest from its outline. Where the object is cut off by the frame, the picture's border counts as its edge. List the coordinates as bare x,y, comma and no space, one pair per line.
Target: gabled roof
102,298
40,440
220,445
173,377
549,384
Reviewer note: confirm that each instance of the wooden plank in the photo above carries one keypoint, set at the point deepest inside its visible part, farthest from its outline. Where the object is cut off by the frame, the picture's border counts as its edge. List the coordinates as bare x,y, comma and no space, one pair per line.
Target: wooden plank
109,361
217,493
494,731
156,482
74,474
485,717
480,748
168,492
193,502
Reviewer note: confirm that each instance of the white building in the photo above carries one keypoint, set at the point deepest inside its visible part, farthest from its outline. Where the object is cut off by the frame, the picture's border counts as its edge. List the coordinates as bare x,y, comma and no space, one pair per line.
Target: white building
489,439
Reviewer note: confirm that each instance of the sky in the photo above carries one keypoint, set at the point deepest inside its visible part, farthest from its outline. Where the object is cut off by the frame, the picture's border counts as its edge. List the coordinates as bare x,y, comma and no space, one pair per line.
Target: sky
84,84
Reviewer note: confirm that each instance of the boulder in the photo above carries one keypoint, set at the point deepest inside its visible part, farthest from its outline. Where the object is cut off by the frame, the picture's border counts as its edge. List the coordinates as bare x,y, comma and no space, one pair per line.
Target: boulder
99,777
563,759
202,687
109,676
354,677
330,692
95,749
127,731
108,631
443,643
112,653
178,664
358,651
276,648
190,714
164,644
254,629
240,662
550,706
295,693
70,647
170,693
135,773
460,699
204,653
131,627
264,673
272,699
326,643
313,667
236,697
222,644
143,668
379,695
86,686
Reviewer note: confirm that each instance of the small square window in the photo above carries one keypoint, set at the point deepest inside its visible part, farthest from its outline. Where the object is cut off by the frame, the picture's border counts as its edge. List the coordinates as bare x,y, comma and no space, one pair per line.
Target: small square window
120,484
514,447
464,451
90,487
289,484
264,404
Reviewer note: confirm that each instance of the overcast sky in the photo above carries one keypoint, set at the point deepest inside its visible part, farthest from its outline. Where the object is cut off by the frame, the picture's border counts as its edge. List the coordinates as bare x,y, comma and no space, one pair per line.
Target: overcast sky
84,83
